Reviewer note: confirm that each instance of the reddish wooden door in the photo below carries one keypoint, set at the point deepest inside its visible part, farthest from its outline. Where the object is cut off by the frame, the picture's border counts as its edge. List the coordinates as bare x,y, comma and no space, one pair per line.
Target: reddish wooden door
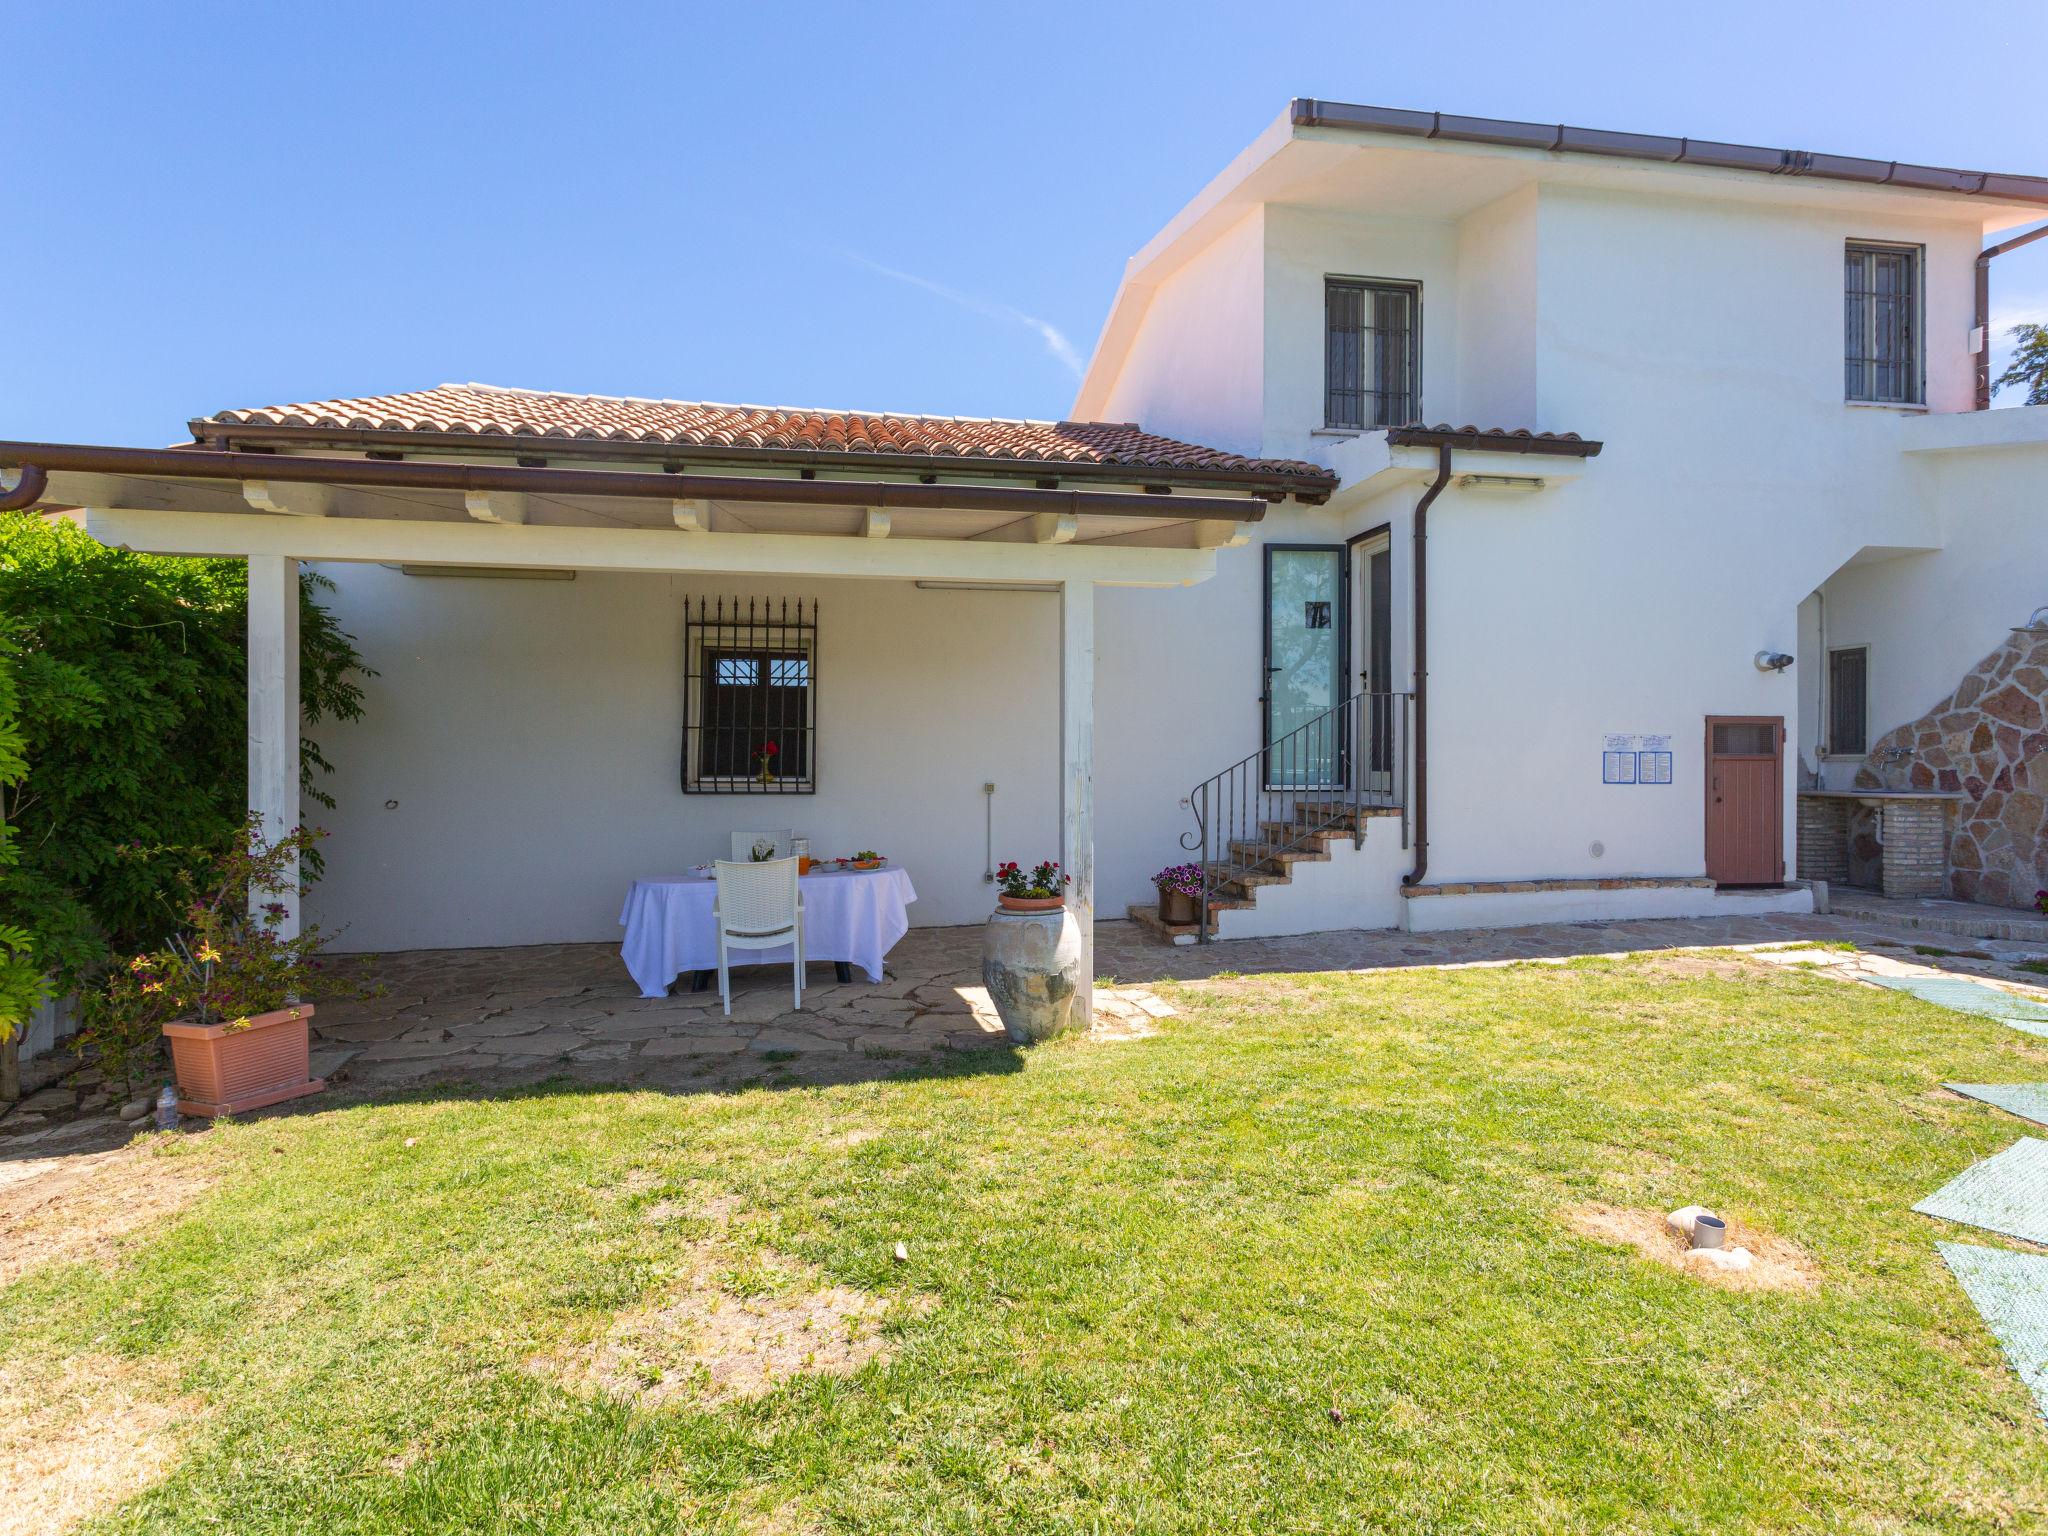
1746,799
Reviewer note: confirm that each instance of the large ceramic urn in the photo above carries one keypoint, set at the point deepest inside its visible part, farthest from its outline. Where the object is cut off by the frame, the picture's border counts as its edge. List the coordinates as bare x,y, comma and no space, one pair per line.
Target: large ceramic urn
1031,965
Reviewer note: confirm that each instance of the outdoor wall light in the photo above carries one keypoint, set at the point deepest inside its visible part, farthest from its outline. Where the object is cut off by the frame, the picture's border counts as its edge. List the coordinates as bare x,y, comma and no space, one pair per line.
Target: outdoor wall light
1772,661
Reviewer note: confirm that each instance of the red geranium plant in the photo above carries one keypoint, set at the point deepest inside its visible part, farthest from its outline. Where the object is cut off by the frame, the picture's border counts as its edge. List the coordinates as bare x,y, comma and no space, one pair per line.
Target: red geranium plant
764,760
1044,881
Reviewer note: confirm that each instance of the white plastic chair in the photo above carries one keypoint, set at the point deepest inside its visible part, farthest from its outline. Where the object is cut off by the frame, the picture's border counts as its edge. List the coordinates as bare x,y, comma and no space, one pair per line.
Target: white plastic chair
743,844
757,906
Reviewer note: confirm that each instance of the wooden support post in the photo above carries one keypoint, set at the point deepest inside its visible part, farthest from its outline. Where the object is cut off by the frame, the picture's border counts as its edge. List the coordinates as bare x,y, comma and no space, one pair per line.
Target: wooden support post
274,708
1077,774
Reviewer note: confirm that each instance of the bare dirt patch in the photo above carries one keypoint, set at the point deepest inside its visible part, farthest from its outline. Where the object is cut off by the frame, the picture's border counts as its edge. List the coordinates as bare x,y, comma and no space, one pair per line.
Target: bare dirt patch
718,1211
701,1343
736,1326
81,1207
856,1138
1694,965
1776,1264
79,1436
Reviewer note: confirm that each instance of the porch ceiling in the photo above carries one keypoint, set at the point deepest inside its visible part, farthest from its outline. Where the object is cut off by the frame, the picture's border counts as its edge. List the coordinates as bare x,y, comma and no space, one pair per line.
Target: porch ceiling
195,502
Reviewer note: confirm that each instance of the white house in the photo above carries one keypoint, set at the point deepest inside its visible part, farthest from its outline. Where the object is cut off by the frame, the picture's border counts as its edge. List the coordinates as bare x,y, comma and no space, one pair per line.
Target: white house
1722,513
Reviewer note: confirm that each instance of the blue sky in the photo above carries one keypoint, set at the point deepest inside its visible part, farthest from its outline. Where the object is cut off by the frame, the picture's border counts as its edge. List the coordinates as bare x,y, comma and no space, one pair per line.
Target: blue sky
883,206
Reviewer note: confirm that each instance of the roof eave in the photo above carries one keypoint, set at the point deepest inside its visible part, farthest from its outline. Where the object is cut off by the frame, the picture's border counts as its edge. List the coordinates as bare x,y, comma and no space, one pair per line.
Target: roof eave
1272,484
1562,138
1558,446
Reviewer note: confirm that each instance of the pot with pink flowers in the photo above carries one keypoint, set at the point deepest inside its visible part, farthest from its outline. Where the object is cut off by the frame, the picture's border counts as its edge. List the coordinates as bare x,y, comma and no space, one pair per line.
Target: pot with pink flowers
1180,893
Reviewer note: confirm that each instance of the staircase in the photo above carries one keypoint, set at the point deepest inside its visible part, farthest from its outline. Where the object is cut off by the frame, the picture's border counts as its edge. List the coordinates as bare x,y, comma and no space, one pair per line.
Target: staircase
1307,799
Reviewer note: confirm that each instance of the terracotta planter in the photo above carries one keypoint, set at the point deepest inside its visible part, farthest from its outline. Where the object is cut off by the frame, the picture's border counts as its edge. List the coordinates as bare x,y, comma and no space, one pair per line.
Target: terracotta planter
224,1071
1178,907
1031,903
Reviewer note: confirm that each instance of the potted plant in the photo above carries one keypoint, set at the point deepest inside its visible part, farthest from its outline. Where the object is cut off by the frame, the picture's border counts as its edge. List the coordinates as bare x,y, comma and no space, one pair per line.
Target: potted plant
1042,890
225,991
1180,893
764,762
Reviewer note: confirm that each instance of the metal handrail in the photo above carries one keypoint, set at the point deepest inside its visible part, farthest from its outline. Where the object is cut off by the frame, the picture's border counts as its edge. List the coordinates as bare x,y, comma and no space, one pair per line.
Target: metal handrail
1322,776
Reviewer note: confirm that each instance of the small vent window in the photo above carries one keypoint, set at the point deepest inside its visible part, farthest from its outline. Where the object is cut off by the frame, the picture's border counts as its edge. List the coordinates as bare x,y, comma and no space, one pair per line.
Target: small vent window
1849,702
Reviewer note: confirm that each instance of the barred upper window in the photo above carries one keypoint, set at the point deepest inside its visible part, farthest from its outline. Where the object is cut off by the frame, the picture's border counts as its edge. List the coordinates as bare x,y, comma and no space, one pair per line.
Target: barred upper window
1882,293
1372,361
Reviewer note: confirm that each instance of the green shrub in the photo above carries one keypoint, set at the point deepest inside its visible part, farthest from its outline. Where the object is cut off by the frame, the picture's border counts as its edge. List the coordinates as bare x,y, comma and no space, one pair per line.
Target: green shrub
132,717
21,978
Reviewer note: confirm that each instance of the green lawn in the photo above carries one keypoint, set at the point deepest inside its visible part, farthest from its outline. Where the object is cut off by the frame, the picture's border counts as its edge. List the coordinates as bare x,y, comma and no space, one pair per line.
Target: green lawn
1141,1277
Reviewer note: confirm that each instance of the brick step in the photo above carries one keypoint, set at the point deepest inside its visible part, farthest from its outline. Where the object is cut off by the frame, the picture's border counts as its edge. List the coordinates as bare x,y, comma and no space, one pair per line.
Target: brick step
1268,859
1245,875
1146,916
1339,813
1277,857
1236,883
1290,834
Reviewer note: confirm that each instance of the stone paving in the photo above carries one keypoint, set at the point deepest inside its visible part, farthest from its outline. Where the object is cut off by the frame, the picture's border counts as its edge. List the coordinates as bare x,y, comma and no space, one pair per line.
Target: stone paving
490,1016
488,1019
493,1016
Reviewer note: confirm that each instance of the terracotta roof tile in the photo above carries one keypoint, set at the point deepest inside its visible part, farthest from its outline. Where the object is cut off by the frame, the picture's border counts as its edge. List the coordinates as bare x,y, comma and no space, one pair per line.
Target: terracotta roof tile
1513,439
1524,433
478,410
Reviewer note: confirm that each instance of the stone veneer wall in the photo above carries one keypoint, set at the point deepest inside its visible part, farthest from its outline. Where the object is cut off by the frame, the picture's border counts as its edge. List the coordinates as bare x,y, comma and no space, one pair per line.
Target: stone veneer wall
1988,739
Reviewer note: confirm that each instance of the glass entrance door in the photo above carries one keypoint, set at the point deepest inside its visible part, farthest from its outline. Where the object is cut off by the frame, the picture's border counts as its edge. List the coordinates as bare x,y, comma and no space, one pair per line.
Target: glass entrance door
1306,663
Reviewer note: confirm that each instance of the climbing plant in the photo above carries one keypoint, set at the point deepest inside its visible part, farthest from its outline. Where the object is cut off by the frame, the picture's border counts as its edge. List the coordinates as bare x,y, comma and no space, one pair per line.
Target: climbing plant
129,681
21,978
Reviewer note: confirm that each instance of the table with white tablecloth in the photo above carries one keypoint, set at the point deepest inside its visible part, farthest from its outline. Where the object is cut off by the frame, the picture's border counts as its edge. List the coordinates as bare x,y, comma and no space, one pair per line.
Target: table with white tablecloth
852,917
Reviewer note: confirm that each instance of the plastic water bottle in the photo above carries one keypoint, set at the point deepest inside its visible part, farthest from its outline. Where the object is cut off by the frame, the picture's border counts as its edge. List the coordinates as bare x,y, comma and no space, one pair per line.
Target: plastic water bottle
167,1109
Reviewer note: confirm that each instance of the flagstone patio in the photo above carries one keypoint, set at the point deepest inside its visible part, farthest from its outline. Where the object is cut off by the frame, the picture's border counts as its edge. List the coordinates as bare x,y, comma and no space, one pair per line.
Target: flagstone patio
483,1020
509,1015
546,1010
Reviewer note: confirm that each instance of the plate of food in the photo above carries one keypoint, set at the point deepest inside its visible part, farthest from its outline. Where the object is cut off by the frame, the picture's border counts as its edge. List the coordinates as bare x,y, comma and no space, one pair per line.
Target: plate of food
867,858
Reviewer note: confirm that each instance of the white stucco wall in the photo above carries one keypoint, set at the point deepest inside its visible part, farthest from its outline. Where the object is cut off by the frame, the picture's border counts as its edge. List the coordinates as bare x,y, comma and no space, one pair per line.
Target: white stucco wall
530,732
1497,310
1303,247
1702,343
1193,371
1928,618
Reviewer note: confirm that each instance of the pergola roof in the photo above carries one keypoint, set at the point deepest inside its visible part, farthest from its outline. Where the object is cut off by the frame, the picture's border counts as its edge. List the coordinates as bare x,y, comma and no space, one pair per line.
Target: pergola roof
487,417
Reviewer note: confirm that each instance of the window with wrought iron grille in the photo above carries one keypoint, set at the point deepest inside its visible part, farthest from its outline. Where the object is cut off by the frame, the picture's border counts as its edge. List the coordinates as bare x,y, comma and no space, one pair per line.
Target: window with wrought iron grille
1372,359
750,697
1881,289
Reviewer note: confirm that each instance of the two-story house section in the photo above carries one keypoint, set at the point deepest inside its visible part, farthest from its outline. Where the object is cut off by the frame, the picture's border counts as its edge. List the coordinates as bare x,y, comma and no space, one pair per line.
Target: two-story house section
1701,514
1463,523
